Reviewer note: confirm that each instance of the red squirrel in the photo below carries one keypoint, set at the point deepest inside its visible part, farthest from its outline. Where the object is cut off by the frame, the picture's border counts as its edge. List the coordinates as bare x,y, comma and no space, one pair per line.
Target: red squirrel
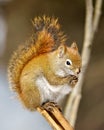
44,68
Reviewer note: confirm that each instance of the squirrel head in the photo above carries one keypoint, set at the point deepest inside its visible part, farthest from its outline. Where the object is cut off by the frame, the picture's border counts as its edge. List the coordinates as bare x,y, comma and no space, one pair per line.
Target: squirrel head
67,60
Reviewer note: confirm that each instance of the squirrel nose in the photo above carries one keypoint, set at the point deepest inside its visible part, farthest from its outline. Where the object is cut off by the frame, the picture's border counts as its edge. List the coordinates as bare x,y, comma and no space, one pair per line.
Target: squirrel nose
77,70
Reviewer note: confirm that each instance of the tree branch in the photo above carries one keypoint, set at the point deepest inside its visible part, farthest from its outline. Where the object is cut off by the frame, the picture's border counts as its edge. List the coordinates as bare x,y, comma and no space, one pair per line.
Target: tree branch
55,118
91,25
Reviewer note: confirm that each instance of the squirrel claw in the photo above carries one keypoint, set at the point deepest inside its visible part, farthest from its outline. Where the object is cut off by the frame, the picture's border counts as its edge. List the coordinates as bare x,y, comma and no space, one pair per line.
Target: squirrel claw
49,106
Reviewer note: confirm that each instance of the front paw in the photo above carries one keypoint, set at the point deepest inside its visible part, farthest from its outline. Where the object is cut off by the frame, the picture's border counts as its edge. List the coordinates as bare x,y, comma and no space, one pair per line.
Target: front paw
73,81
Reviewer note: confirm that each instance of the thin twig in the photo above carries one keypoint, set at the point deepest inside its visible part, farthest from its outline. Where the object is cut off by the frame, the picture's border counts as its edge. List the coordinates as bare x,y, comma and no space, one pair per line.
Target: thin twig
47,116
90,28
55,118
97,15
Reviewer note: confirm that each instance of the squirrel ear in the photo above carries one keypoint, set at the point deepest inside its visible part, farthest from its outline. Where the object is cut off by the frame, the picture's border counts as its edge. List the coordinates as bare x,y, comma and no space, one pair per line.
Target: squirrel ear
74,46
61,51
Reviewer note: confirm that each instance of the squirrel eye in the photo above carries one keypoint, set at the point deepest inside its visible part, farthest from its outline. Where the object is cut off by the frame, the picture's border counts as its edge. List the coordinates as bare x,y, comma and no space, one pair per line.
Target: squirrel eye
68,62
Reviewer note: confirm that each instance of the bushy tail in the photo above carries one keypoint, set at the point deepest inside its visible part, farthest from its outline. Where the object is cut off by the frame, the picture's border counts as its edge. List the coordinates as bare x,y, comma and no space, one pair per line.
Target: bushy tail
46,38
47,34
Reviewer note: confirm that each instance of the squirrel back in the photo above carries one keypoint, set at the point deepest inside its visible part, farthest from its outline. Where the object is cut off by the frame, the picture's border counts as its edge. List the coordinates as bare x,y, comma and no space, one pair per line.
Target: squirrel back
46,37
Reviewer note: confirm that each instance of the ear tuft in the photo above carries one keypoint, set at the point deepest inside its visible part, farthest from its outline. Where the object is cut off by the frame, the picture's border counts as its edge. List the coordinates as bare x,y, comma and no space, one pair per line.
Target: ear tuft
74,46
61,51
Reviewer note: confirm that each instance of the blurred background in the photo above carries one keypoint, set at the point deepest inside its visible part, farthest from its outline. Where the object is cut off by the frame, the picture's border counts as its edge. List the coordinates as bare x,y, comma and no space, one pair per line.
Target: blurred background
16,27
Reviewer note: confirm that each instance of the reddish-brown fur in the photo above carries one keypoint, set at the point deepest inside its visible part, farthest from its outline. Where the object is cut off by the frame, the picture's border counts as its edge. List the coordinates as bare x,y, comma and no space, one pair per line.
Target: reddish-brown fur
37,57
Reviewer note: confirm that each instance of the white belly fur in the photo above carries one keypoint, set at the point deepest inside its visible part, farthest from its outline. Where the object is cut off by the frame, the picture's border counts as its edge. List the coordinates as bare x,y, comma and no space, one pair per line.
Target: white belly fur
51,93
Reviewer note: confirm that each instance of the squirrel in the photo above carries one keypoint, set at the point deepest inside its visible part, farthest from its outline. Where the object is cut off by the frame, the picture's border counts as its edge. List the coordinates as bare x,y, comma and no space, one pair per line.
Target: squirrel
44,68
